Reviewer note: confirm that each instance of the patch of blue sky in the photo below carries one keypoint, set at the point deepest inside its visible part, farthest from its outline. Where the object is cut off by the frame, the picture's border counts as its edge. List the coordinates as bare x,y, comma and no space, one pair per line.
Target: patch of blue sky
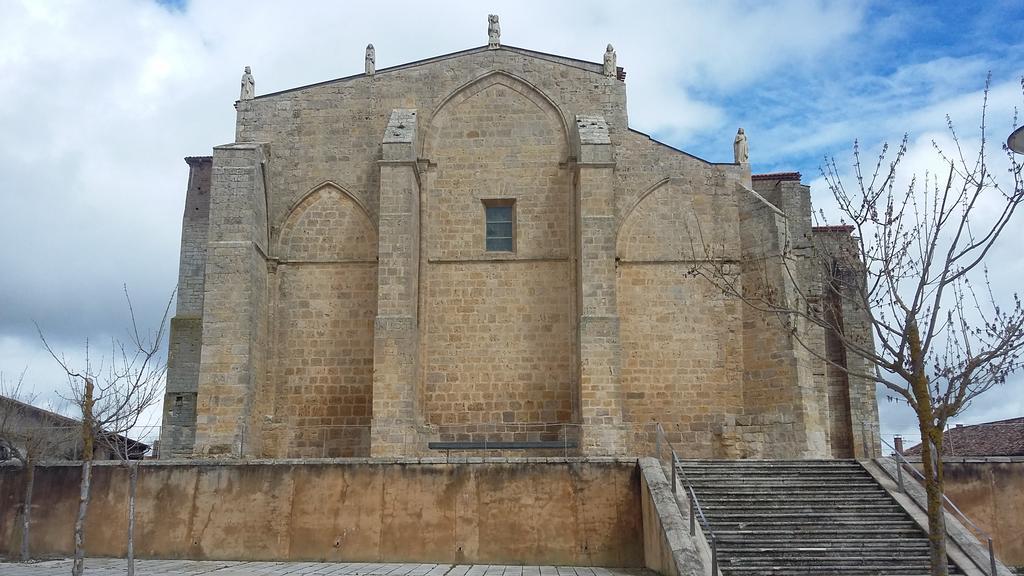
174,5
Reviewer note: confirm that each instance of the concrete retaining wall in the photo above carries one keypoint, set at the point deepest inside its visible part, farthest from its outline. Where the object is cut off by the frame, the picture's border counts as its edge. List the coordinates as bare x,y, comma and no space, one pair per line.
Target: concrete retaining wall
550,512
990,491
668,547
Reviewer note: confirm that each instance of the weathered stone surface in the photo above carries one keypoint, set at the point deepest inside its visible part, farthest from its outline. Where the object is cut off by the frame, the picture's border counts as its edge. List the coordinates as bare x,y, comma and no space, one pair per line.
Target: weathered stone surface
349,305
556,512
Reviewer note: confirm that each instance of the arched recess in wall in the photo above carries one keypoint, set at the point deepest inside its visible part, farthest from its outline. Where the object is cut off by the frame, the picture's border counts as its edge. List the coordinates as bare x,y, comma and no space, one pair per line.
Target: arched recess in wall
325,301
625,216
681,339
479,84
496,327
327,224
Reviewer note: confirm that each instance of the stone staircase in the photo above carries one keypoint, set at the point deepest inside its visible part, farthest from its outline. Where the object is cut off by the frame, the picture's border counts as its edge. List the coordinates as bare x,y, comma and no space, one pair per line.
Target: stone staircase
805,517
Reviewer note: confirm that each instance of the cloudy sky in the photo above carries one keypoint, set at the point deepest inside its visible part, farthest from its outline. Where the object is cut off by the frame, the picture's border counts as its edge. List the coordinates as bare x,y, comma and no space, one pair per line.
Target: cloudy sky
99,102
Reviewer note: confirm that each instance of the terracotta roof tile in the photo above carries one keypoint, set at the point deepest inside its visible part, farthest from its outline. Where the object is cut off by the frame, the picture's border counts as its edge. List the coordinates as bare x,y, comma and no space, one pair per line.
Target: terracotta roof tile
795,176
835,228
1001,438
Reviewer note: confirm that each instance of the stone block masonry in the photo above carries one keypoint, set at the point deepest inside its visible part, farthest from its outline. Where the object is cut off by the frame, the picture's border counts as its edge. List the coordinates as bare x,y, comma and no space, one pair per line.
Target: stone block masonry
340,296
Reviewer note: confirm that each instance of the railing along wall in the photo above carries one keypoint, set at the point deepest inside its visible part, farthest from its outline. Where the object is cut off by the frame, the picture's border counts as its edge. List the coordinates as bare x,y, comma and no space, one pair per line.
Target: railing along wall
949,505
696,512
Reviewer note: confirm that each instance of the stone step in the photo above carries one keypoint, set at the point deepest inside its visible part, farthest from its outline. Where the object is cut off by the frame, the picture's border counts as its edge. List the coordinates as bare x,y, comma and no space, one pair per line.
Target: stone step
811,499
753,500
822,560
769,463
847,486
845,482
799,517
760,471
812,516
839,529
806,479
757,533
723,484
793,492
758,550
784,506
852,569
859,569
789,545
834,476
776,471
765,554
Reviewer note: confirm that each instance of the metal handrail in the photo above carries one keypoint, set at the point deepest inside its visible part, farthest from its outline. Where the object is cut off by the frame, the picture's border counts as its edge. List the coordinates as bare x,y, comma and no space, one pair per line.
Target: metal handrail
901,461
696,512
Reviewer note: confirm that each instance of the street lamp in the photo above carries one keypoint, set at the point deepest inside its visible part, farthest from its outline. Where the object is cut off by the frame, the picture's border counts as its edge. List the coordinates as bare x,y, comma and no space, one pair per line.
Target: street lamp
1016,140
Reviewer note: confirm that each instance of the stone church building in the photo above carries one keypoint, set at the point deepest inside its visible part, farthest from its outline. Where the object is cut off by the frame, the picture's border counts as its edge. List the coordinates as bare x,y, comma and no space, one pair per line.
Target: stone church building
477,247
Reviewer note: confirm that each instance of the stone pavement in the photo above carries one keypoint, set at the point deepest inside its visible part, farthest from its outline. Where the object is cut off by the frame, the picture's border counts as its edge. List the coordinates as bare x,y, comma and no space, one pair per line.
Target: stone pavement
117,567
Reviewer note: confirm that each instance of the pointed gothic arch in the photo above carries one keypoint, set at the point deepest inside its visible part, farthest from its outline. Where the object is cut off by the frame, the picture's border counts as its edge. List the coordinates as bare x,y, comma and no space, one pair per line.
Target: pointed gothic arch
481,83
327,223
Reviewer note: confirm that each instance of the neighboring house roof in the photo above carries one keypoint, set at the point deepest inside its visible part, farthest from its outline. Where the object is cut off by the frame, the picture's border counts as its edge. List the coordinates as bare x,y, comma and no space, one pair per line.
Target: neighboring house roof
135,449
787,176
1000,438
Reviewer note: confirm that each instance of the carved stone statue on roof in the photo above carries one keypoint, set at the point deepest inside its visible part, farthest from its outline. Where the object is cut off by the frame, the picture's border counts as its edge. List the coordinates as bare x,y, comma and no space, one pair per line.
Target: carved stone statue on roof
248,85
609,61
739,148
371,60
493,31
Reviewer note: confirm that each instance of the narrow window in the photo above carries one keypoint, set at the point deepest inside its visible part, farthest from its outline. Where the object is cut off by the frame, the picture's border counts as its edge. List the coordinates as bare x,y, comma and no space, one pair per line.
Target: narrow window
499,222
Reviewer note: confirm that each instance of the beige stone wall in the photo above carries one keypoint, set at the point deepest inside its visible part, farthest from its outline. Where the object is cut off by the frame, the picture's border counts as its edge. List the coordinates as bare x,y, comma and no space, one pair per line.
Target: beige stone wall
233,360
498,344
593,320
177,436
327,226
681,346
854,411
332,131
497,140
841,429
497,326
326,297
324,359
558,513
681,357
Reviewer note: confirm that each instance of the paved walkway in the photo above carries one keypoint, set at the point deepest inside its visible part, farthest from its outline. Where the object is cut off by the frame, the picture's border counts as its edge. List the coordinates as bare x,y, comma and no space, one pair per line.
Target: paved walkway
117,567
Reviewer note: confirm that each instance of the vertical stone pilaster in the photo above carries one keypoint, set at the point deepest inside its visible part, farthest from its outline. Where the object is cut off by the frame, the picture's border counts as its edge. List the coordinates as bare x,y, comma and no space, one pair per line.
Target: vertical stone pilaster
396,327
177,435
866,435
234,330
599,347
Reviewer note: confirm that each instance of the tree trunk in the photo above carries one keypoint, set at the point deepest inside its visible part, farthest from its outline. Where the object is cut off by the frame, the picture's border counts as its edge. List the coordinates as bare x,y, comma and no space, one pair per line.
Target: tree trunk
931,462
931,452
87,424
26,513
83,504
83,501
133,478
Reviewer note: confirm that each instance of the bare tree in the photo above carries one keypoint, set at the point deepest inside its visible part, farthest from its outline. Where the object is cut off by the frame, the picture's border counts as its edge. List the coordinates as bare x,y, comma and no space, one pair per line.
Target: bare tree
127,450
27,439
112,395
913,265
